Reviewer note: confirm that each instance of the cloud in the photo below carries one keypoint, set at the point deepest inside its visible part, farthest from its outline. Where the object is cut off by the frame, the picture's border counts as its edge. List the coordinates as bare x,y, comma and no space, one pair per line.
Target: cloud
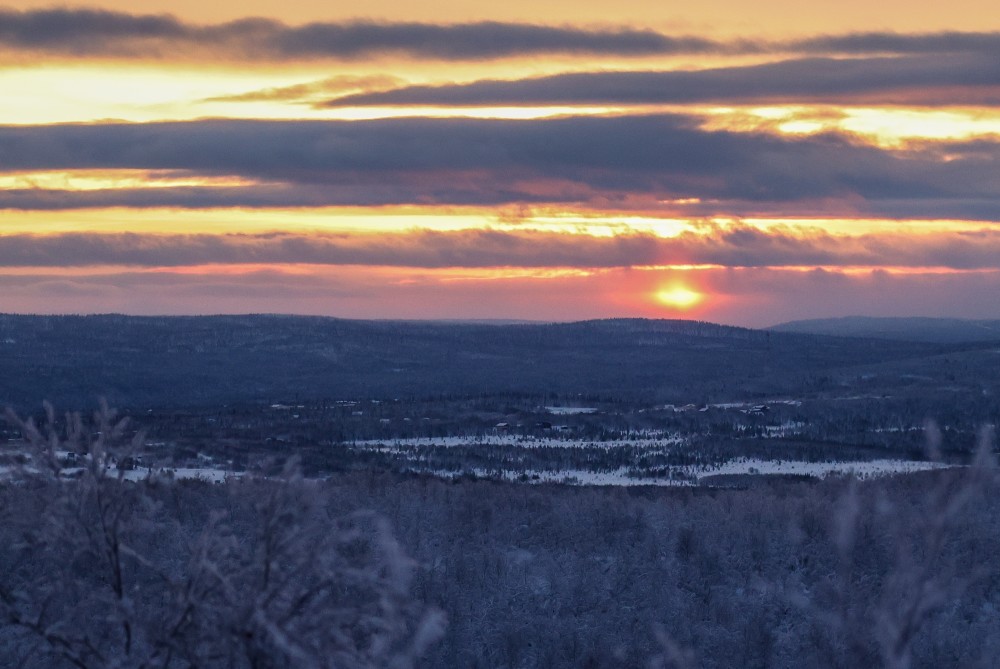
83,33
898,43
937,80
99,33
735,246
146,292
425,249
606,162
312,91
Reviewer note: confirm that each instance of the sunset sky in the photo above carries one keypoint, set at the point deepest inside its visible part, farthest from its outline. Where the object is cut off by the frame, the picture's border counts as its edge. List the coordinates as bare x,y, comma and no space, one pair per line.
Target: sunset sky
744,163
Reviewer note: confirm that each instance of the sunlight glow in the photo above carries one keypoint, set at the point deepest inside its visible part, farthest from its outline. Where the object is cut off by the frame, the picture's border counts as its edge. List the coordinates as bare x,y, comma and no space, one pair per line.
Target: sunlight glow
91,180
883,126
679,297
98,92
403,219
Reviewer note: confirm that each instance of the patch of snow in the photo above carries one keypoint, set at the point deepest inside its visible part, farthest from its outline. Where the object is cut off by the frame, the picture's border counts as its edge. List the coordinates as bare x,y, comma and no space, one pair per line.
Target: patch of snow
570,411
522,441
785,429
860,469
181,473
691,475
617,477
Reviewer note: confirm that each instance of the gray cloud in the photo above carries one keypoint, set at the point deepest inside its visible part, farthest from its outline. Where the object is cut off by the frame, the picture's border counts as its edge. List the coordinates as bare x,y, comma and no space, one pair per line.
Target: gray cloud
425,249
914,79
612,162
899,43
81,32
91,32
299,196
737,246
144,292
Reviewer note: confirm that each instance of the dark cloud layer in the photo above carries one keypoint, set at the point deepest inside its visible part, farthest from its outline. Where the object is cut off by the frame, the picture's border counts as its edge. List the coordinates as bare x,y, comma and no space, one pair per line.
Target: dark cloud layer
737,246
898,43
88,32
98,33
936,80
603,162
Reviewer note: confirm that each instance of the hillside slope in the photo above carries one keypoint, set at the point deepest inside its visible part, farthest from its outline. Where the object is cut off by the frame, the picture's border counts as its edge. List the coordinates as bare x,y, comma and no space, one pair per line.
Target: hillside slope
160,361
938,330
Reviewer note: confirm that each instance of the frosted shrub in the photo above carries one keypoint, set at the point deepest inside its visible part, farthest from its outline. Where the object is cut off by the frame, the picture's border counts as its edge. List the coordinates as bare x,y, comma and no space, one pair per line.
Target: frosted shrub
103,572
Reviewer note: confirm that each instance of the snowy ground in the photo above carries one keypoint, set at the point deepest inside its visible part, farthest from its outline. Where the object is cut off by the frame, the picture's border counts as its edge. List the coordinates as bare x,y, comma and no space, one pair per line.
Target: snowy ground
183,473
523,441
570,411
618,477
681,475
690,475
860,469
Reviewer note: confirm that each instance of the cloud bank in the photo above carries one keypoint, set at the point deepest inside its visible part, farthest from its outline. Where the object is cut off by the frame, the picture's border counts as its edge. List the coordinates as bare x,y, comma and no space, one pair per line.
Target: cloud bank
928,80
604,162
736,246
81,33
98,33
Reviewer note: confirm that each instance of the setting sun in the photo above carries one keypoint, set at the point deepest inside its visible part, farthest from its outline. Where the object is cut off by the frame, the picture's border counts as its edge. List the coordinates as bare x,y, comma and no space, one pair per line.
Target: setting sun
679,297
192,157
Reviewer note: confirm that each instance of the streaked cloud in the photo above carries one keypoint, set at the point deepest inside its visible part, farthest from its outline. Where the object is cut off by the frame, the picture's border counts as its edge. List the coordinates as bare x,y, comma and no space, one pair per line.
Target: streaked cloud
731,246
82,32
313,91
597,162
929,80
100,33
860,43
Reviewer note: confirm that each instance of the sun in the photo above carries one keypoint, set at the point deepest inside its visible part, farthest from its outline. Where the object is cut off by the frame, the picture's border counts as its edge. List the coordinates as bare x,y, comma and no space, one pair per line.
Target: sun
679,297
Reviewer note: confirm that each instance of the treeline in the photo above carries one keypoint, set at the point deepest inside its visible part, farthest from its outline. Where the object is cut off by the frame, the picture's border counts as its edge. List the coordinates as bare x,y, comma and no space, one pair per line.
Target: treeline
144,362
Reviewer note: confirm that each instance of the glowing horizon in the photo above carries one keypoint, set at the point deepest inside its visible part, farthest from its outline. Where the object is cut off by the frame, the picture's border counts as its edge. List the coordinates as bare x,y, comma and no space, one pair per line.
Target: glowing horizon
499,162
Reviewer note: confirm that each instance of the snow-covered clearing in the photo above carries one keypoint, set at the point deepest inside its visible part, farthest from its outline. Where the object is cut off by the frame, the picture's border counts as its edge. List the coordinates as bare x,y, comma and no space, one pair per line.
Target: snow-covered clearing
617,477
140,474
522,441
570,411
692,474
183,473
861,469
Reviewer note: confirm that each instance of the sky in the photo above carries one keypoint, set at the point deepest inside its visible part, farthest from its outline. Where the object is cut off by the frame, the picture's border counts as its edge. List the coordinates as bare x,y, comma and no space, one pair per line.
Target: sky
743,163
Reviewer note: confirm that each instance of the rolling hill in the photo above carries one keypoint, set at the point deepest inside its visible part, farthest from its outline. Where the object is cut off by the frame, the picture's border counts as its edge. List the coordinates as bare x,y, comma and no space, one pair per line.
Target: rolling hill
189,361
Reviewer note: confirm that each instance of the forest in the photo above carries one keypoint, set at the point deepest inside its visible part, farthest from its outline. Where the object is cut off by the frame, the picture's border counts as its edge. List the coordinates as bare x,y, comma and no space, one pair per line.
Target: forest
320,493
367,569
141,363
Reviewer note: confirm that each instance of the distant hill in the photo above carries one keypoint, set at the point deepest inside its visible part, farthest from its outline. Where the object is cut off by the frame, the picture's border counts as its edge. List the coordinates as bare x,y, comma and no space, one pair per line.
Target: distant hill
940,330
196,361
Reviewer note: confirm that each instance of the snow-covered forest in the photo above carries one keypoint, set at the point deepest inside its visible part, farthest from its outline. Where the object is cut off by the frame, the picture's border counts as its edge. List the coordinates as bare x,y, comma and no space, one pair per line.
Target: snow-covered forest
388,570
303,492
